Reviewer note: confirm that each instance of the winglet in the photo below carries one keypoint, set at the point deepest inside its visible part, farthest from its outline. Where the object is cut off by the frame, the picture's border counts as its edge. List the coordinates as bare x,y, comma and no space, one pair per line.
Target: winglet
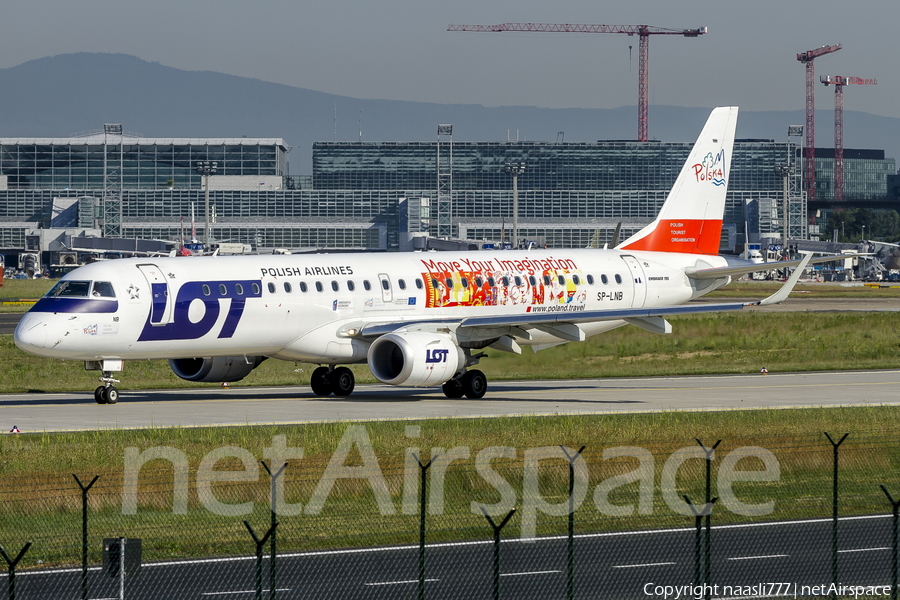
782,294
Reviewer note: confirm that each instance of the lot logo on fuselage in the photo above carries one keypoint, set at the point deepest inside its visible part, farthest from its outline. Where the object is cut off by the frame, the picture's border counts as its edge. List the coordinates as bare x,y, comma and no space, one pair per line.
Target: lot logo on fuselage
211,294
436,356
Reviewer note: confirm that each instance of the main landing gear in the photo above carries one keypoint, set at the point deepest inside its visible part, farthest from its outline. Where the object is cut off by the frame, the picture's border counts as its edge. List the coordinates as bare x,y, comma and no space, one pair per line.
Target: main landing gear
471,384
107,393
329,380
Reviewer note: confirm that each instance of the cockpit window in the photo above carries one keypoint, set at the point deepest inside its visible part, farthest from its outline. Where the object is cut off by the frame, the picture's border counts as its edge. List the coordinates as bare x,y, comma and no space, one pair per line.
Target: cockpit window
70,289
103,289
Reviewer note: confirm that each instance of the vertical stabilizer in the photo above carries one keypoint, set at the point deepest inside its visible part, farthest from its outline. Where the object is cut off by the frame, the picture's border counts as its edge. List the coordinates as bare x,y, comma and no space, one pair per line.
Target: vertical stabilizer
690,220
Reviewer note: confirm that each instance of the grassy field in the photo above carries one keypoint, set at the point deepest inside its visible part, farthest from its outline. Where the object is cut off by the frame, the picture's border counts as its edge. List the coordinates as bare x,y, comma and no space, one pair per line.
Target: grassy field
40,502
39,498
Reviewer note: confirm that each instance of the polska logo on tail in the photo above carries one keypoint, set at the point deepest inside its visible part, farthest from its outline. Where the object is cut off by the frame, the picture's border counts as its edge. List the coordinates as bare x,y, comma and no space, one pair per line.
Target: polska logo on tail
711,169
413,321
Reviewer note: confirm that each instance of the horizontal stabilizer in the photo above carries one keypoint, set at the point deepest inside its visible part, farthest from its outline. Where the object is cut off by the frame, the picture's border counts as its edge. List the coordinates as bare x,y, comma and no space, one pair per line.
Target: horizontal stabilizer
721,272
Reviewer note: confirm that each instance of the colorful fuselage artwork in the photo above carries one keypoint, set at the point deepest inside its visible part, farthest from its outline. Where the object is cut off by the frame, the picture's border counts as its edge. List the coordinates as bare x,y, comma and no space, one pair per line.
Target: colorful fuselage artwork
495,282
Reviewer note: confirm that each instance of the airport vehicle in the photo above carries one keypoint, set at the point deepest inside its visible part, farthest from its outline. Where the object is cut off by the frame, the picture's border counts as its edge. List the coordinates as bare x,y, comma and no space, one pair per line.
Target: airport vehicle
417,319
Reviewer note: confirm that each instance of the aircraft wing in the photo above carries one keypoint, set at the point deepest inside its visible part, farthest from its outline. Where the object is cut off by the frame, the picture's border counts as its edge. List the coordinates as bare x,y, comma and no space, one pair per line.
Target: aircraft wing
720,272
564,324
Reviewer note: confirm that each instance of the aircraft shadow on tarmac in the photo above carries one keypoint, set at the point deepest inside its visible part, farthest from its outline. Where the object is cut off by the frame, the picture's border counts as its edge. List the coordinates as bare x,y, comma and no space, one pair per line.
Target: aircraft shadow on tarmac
520,392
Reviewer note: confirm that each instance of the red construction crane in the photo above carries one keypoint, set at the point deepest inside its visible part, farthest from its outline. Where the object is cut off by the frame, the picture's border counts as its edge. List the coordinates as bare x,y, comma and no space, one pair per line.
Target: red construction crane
809,171
642,31
839,81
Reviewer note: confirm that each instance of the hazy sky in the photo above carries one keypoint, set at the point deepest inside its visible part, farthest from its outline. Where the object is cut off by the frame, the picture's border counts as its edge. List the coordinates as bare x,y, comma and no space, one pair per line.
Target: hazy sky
401,49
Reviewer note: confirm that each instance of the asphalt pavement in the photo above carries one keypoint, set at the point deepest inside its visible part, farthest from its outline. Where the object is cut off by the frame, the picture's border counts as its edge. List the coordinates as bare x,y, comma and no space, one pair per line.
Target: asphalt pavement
782,557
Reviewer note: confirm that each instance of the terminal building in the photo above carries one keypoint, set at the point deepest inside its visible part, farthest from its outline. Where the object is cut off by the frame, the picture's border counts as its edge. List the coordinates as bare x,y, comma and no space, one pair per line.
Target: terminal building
55,193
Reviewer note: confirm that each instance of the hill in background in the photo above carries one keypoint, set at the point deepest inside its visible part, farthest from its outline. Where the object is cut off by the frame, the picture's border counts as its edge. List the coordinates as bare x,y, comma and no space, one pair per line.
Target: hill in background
62,95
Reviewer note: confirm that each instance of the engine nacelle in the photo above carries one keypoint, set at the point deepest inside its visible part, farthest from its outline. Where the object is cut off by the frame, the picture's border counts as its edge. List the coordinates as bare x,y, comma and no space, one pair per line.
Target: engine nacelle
220,368
416,358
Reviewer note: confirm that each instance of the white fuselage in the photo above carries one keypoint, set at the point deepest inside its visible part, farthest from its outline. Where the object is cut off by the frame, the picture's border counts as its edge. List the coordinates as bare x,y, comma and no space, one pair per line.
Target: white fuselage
299,307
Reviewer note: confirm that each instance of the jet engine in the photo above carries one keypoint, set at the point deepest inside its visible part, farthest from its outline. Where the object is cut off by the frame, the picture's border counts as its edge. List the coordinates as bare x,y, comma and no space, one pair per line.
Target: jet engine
220,368
415,358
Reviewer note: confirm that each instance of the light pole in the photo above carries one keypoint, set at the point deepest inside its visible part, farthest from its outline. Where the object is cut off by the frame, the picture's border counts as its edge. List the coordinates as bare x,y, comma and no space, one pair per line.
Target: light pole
785,171
207,168
515,169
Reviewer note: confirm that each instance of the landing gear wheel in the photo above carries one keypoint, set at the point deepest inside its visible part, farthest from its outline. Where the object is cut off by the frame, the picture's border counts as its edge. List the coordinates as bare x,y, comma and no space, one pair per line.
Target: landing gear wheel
474,384
342,381
110,394
319,382
98,395
453,389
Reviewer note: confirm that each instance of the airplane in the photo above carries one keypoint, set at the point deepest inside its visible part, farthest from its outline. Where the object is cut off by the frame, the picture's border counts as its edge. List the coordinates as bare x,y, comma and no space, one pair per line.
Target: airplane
416,319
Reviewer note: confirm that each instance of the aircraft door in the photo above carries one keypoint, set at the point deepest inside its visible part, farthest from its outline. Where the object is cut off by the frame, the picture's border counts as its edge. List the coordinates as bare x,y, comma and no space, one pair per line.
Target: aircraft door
160,300
386,293
639,281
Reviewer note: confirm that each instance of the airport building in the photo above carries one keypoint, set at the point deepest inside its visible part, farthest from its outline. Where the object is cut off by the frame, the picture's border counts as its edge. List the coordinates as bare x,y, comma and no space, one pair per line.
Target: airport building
55,193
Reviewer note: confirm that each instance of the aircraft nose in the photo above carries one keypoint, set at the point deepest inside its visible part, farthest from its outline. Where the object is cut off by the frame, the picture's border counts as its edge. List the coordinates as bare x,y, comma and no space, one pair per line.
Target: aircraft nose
31,334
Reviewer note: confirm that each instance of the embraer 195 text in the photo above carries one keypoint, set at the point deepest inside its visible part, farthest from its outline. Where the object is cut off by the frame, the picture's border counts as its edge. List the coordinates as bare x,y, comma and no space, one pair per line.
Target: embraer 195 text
417,319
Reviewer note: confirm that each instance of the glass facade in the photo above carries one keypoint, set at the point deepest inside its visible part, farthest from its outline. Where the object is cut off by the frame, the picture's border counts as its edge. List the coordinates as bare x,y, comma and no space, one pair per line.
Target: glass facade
145,163
607,166
591,185
865,174
570,194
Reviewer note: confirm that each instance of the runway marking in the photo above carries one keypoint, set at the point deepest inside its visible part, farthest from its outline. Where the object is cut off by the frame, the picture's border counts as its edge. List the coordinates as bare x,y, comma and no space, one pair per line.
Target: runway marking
240,592
659,564
401,582
528,573
862,550
758,557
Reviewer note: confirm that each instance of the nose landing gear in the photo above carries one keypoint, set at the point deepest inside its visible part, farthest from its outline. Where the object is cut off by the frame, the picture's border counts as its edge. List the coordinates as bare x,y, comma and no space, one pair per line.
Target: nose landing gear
107,393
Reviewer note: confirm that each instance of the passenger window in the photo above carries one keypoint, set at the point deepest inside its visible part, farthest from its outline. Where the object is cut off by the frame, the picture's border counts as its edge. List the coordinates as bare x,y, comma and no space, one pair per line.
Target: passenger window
604,279
271,287
222,289
335,286
618,278
449,283
319,287
532,280
418,283
518,280
492,282
576,279
255,288
479,282
103,289
385,284
287,287
590,279
505,281
303,287
350,285
434,283
546,280
464,282
366,285
206,290
562,279
401,284
239,289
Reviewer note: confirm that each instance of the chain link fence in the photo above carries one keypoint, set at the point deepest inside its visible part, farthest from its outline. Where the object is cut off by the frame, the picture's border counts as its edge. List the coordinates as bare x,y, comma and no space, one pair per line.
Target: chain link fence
803,517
